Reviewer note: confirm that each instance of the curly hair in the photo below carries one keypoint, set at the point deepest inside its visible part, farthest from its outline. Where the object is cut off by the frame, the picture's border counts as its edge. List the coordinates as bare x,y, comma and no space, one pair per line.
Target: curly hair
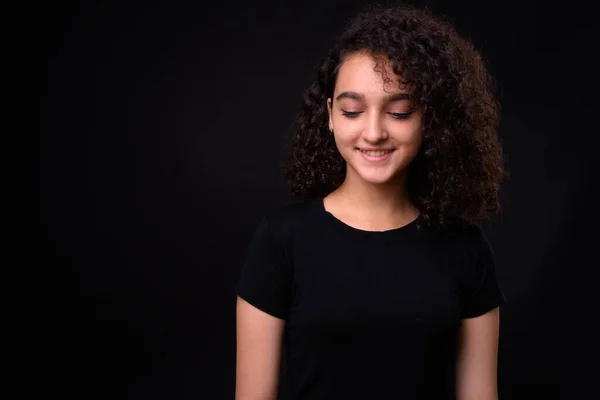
459,167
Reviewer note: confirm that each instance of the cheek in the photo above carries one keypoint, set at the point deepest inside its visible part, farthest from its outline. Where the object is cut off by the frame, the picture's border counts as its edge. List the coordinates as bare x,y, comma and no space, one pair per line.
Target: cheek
343,142
417,138
345,136
412,136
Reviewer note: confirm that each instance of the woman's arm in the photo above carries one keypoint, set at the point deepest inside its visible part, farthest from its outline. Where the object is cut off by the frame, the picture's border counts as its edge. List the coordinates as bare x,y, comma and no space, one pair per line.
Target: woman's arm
259,342
477,357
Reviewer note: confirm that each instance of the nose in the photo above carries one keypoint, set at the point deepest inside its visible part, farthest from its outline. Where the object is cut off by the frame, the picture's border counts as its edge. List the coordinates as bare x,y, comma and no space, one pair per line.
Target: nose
374,130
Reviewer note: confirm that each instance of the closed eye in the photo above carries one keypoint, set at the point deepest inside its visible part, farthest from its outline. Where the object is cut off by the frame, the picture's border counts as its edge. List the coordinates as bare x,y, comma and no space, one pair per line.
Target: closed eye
351,114
400,115
354,114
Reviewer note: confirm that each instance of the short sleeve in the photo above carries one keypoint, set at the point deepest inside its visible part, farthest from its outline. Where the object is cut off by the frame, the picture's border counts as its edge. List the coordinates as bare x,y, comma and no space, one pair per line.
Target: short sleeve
480,287
265,279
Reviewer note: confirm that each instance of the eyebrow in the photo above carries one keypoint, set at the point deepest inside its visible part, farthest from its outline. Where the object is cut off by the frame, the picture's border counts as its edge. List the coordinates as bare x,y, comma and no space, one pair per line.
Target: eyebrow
360,97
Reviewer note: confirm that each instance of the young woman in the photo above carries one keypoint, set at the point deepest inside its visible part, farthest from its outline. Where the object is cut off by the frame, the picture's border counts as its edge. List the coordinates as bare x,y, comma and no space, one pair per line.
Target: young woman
379,284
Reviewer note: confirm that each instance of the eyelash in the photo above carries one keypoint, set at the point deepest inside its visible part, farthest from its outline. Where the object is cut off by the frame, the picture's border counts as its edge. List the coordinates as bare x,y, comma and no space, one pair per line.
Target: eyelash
354,114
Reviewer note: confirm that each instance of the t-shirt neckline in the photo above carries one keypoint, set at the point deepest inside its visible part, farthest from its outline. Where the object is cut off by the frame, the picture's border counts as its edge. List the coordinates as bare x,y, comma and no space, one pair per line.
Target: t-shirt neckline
339,224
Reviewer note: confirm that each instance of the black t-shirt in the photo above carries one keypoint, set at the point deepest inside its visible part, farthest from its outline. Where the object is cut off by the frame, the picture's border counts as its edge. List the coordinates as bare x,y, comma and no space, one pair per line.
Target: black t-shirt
369,315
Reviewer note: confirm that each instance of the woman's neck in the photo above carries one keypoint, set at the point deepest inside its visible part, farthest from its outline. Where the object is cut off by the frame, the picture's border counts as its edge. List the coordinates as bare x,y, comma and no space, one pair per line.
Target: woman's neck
378,205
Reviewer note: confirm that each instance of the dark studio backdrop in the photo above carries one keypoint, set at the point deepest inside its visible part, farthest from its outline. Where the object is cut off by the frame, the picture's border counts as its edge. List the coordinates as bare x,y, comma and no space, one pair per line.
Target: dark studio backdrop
160,126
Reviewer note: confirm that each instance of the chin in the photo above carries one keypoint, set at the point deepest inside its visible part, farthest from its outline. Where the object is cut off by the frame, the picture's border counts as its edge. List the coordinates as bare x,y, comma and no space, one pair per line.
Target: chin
377,178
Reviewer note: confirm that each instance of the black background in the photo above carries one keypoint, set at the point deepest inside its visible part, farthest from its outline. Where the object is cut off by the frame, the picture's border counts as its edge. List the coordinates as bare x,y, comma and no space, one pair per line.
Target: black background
160,126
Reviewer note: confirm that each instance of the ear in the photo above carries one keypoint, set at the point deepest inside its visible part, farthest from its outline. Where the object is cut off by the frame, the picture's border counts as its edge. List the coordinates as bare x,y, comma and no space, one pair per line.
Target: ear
330,113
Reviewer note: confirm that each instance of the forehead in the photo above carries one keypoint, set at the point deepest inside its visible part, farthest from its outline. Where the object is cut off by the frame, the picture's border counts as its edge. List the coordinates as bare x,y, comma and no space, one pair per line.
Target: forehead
363,73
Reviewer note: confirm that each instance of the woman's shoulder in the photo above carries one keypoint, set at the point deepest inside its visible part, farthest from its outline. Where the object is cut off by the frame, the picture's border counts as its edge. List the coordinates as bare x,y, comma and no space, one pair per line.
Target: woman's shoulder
461,231
289,216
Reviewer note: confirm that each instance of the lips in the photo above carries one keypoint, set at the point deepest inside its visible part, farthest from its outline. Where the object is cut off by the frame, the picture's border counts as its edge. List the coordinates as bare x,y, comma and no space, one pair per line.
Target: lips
376,155
376,152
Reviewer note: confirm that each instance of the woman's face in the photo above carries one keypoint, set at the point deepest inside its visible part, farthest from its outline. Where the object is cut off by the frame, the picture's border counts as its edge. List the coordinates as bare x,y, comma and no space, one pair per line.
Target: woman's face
376,129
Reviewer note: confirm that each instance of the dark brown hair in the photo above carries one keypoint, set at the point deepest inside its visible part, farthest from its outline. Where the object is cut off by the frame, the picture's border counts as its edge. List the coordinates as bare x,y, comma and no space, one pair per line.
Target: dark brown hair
459,168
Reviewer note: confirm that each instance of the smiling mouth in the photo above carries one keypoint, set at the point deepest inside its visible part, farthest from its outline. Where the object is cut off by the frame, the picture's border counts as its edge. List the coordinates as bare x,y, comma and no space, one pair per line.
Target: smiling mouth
376,153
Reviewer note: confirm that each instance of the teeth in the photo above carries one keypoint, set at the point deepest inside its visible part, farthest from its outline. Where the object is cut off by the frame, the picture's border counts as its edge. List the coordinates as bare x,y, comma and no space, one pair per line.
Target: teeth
376,153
